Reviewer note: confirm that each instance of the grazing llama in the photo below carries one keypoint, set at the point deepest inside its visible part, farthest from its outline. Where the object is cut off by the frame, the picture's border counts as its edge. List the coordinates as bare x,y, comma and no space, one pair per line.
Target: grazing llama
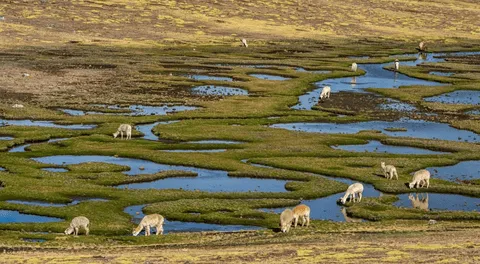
354,67
356,188
77,222
389,171
325,92
286,219
302,211
420,179
422,46
148,221
124,128
244,43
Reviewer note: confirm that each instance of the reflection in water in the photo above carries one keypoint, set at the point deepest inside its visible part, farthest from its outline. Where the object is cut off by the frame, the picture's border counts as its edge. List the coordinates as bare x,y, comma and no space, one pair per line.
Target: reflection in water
349,219
419,202
354,81
422,55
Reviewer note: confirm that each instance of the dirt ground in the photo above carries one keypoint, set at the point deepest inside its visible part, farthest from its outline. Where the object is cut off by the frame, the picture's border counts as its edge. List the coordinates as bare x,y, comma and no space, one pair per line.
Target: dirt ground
419,247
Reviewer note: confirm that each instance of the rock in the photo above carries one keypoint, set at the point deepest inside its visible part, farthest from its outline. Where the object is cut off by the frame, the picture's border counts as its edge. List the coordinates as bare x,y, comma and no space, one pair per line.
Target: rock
25,74
17,106
432,222
142,168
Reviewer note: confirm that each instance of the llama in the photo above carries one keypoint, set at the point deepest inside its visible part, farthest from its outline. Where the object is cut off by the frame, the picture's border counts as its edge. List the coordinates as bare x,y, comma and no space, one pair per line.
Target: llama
286,219
396,65
389,171
356,188
124,128
148,221
325,92
303,211
420,178
419,203
244,43
354,67
422,46
77,222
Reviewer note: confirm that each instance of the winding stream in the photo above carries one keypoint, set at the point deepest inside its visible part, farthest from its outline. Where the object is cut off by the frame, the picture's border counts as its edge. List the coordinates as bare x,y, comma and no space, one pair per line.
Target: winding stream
375,77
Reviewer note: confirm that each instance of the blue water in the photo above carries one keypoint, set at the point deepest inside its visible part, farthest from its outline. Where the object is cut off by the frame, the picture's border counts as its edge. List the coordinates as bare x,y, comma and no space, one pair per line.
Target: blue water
207,180
218,90
177,226
21,148
440,201
446,74
6,138
473,112
146,129
378,147
134,110
8,216
46,204
199,77
396,105
195,150
465,170
270,77
376,77
415,128
300,69
457,97
215,142
55,169
27,122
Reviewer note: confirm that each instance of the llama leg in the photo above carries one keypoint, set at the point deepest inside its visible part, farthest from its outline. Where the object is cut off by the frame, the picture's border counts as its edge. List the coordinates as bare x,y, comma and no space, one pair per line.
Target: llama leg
308,219
75,229
87,230
359,197
295,221
428,182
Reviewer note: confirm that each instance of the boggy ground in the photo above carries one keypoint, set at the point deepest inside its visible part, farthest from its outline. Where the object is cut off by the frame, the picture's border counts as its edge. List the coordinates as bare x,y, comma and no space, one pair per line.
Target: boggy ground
79,53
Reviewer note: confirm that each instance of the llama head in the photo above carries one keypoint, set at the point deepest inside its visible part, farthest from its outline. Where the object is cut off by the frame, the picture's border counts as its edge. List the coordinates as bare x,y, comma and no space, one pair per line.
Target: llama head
69,230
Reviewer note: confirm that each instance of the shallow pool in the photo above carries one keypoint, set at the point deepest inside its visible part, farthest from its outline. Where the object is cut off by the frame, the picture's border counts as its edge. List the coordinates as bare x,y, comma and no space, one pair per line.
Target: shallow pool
207,180
270,77
28,122
378,147
438,201
457,97
218,90
415,128
8,216
465,170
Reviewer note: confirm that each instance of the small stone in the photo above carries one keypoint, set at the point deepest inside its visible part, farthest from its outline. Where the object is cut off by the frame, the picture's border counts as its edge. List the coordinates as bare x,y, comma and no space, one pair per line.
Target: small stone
432,222
141,168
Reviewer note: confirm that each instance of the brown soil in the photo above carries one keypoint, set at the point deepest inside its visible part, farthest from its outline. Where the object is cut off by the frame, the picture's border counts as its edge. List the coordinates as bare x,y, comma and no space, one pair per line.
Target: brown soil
420,247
